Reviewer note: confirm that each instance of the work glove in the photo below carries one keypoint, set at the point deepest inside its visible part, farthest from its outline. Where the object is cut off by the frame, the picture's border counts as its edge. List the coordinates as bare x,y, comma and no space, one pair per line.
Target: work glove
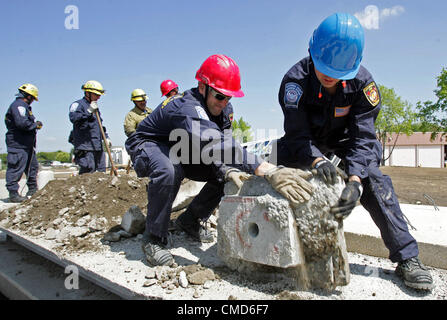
39,125
326,171
93,107
109,143
237,176
291,183
348,199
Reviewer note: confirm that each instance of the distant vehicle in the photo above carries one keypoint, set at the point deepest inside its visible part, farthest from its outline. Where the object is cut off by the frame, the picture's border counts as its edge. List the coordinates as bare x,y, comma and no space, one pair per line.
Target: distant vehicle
56,163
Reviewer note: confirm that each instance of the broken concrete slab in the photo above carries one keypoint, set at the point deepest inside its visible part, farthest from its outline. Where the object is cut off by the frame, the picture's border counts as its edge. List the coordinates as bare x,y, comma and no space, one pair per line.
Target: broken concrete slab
321,248
250,230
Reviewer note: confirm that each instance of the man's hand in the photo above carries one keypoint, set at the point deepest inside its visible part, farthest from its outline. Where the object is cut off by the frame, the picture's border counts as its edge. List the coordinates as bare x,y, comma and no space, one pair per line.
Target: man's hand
93,107
39,125
237,176
291,183
349,196
109,143
326,170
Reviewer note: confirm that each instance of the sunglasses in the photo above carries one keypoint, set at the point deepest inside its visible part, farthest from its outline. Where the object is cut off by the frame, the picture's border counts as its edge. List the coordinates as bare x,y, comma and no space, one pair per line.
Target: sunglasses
219,96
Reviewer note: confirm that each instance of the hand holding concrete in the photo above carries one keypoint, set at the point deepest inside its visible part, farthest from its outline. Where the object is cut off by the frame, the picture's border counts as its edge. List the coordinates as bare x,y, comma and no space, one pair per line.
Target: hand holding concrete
237,176
93,107
291,183
349,196
326,170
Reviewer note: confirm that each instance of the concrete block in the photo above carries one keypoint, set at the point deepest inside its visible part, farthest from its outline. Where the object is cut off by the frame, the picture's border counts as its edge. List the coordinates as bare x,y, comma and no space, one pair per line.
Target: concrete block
133,221
254,233
43,177
258,227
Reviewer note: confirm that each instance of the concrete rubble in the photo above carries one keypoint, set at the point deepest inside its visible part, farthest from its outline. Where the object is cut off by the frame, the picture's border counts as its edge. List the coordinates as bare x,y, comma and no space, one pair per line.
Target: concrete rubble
257,228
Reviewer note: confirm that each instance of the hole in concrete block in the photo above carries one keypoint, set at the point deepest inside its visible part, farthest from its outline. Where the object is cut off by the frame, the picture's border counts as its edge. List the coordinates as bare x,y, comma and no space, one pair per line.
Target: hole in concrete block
253,230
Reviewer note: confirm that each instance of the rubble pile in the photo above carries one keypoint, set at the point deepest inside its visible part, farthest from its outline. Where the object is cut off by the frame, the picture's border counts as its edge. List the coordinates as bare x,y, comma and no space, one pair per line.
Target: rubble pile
78,212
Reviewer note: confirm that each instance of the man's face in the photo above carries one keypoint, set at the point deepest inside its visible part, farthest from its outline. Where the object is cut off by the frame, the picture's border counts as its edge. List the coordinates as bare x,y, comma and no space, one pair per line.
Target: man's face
326,81
216,100
140,104
94,97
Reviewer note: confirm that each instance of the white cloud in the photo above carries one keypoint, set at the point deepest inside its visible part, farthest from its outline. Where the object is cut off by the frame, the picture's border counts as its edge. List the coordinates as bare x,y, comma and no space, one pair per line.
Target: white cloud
371,15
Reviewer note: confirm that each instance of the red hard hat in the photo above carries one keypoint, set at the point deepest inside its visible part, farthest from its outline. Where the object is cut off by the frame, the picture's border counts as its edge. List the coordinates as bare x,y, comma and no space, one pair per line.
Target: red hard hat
221,73
166,86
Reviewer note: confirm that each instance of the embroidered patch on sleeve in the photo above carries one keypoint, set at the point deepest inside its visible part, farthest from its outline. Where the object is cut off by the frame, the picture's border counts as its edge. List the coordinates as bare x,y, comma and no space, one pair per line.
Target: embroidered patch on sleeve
292,95
202,113
22,111
342,111
74,107
230,116
372,94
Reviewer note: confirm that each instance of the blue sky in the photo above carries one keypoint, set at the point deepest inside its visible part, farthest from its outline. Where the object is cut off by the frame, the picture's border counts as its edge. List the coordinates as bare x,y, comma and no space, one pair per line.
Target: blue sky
137,44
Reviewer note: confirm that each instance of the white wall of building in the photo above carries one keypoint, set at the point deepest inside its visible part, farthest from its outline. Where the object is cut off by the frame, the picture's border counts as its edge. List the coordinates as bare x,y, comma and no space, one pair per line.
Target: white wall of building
403,156
430,156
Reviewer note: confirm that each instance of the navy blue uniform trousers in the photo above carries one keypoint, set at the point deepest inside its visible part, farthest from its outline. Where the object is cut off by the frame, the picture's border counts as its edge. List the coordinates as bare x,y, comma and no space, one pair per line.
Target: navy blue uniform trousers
21,161
380,200
90,161
166,177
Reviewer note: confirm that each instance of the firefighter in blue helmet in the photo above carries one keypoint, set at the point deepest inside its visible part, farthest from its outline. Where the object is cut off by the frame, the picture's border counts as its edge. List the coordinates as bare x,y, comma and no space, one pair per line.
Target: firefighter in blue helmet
201,118
330,103
21,143
86,135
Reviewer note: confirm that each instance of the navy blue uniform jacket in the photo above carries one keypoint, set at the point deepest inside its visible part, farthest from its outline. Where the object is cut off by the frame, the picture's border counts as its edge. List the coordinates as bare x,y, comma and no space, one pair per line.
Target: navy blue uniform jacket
316,124
21,126
86,132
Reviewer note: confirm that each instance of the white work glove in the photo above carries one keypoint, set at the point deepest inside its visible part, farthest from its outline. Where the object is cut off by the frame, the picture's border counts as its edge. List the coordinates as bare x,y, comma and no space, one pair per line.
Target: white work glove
93,107
237,176
109,143
291,183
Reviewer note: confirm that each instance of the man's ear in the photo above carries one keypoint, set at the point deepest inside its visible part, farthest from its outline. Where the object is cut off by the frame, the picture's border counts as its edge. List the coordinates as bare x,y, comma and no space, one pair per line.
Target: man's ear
202,88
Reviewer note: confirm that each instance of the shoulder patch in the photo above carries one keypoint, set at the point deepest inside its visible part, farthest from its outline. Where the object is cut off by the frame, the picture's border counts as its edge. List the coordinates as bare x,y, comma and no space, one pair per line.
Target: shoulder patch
22,111
74,107
372,94
231,117
292,95
201,113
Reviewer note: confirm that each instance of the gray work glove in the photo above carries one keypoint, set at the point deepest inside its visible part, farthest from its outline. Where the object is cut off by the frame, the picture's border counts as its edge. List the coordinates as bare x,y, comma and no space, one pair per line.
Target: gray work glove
237,176
291,183
348,199
326,171
93,107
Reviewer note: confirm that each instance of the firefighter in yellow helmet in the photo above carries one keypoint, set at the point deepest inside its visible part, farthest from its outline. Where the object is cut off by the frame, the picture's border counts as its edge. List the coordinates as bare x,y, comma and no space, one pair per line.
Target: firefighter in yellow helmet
138,113
21,142
86,135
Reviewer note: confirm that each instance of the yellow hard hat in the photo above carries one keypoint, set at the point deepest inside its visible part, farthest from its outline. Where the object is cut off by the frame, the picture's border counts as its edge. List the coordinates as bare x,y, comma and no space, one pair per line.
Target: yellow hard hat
138,95
30,89
93,86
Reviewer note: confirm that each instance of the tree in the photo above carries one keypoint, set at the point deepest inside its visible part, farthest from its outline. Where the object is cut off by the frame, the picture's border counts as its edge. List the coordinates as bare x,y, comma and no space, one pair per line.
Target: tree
432,115
241,131
396,116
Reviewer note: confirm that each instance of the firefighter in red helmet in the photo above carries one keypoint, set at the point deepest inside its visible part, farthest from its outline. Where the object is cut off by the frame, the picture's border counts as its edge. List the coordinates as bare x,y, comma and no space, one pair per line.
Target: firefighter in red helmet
168,88
196,115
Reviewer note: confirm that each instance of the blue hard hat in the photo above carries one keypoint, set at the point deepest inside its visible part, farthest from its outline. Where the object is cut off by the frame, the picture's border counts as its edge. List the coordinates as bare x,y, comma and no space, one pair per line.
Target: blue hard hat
336,46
